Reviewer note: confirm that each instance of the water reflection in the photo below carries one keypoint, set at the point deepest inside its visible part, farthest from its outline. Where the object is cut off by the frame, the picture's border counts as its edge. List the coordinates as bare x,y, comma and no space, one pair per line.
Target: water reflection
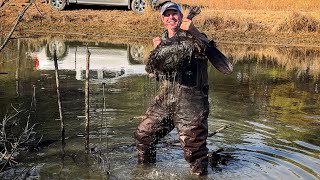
107,61
271,102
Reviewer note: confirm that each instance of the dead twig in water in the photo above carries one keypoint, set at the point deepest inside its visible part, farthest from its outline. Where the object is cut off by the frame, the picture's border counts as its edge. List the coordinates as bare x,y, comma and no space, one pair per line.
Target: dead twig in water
137,117
55,59
218,130
87,102
19,18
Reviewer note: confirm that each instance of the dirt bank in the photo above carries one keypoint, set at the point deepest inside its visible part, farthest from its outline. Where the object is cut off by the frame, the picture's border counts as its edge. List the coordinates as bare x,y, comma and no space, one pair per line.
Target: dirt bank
105,23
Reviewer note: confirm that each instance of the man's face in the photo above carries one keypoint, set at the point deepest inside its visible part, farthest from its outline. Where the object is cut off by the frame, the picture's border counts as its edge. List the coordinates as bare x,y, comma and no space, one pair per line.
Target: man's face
171,19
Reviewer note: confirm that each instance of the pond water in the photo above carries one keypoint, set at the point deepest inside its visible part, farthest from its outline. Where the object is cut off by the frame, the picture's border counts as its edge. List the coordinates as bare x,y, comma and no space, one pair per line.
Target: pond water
270,104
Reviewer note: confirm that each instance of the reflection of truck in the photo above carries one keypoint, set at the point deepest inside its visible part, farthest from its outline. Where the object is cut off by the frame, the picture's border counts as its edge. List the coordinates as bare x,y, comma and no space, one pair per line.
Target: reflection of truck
106,60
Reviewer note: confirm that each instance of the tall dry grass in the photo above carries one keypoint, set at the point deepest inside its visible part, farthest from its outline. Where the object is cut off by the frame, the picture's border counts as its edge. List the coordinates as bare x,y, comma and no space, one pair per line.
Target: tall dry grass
256,15
283,5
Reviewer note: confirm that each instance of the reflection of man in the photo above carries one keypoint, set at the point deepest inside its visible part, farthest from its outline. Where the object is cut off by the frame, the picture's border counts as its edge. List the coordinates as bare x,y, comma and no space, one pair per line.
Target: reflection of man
183,102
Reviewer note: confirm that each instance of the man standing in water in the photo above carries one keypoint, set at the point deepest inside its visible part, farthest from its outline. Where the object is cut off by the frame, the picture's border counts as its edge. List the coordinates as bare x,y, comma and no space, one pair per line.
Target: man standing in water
183,103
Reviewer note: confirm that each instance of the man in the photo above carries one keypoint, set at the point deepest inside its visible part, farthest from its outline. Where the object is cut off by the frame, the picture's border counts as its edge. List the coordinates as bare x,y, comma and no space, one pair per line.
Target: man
183,102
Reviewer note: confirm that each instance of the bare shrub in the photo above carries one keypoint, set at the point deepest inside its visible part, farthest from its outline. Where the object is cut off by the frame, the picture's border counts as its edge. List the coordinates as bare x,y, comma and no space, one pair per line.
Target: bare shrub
230,23
300,23
13,138
68,19
16,140
216,22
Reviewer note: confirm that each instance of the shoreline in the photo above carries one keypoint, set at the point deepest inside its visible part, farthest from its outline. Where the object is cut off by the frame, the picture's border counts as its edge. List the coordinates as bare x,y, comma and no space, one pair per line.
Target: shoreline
310,41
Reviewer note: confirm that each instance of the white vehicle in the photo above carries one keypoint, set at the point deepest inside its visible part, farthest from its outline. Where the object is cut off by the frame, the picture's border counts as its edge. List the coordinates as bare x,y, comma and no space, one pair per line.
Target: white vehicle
135,5
107,61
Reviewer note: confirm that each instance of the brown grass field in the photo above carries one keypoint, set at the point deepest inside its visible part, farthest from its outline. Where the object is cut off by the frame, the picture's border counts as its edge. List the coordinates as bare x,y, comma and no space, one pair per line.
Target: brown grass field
267,5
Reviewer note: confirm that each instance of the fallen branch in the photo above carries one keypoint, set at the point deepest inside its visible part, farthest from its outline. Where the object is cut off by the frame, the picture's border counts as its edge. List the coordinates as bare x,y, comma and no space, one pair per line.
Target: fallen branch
218,130
137,117
3,2
172,142
19,18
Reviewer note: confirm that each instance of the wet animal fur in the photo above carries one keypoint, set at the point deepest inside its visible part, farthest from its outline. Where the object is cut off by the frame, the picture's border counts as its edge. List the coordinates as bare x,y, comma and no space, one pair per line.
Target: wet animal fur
170,55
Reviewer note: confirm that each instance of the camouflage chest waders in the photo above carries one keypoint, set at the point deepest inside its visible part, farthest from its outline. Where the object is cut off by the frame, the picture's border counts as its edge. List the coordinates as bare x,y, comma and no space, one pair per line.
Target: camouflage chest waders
183,104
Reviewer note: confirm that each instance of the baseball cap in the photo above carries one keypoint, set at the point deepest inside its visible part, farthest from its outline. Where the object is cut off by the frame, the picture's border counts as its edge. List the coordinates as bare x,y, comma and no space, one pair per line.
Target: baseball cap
170,5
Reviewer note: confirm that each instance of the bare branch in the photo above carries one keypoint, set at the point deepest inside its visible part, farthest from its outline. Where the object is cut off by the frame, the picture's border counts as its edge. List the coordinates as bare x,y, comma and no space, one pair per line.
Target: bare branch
38,9
10,146
19,18
3,2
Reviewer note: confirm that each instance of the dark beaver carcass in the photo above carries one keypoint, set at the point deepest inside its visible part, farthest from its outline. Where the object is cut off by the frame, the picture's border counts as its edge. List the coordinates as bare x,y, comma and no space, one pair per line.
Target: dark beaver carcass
170,55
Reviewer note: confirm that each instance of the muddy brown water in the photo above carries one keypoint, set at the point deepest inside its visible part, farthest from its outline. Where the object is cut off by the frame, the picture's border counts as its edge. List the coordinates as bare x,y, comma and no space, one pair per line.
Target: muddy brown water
271,103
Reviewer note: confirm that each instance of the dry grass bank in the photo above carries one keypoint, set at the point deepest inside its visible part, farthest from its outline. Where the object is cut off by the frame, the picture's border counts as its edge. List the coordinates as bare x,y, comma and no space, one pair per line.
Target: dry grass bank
259,21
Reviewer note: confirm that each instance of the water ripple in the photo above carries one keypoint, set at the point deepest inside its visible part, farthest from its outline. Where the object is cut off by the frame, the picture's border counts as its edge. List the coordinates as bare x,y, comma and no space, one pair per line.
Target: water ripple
307,145
308,163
